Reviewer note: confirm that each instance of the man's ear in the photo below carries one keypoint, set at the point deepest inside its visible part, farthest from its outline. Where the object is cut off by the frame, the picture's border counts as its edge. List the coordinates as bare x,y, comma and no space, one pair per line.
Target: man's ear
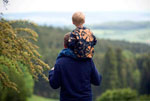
65,46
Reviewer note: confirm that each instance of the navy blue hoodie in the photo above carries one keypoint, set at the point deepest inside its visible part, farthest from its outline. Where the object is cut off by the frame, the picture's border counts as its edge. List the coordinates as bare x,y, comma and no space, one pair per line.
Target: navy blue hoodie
74,76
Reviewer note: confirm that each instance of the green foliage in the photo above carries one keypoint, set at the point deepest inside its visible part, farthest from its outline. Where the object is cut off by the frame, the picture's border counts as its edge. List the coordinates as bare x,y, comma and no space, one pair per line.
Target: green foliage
136,79
38,98
17,45
24,82
144,98
130,69
125,94
110,77
145,74
121,69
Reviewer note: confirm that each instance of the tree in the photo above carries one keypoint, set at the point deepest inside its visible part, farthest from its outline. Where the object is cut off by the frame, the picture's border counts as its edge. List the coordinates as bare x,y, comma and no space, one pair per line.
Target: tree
17,45
145,75
109,73
121,68
5,2
23,81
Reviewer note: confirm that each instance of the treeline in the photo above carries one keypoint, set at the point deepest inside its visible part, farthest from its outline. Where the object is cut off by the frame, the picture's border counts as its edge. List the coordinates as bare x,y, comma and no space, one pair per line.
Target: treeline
122,64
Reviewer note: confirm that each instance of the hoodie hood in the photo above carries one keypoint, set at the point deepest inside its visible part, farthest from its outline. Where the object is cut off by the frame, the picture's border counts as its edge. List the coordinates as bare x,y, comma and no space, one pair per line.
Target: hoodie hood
66,52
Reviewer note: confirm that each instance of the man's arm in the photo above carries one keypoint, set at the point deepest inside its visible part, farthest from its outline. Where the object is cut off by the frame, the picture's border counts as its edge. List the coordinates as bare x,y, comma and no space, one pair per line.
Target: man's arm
96,78
54,77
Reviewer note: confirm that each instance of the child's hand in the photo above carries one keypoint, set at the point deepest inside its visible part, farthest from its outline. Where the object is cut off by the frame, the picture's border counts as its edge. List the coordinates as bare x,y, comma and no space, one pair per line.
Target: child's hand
52,68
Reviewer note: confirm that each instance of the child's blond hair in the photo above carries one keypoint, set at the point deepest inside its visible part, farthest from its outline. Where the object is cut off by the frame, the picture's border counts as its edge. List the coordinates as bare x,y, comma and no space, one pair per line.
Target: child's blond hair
78,18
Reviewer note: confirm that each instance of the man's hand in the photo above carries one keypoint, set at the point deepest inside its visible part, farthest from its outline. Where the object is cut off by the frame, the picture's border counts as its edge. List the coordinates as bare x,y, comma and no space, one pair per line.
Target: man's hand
52,68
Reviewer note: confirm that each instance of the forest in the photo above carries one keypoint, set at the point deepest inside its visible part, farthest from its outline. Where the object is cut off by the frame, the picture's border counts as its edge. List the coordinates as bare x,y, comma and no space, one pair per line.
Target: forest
124,66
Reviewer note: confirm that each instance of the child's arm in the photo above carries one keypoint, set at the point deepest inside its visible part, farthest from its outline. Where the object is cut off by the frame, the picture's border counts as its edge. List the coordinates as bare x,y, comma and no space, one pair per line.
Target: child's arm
54,77
96,78
94,41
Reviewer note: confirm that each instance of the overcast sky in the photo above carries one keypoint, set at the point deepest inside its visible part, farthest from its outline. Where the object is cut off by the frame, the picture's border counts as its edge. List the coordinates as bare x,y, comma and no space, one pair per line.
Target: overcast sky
16,6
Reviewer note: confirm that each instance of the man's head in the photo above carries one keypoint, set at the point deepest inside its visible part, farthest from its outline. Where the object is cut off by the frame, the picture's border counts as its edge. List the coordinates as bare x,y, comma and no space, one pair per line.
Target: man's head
66,38
78,18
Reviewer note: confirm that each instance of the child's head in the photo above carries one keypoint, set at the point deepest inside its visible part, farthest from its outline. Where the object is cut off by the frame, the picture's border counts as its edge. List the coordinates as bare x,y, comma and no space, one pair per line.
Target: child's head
78,18
66,38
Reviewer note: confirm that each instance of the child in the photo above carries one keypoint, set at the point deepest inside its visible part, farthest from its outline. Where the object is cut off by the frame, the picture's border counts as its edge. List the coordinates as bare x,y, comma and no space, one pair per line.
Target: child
81,40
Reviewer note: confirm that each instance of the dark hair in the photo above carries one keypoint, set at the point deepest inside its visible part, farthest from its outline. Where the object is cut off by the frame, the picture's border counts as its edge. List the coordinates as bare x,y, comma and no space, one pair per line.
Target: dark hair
66,38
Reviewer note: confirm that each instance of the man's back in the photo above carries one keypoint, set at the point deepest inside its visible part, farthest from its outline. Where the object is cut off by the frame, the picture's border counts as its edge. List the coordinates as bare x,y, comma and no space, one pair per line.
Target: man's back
75,78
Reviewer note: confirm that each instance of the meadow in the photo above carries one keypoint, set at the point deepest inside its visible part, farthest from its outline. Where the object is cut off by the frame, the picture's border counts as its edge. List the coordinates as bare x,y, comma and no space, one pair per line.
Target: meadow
39,98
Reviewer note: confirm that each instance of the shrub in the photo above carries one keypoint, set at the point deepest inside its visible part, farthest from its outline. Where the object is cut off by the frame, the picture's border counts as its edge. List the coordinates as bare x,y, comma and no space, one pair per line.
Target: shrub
24,82
125,94
18,45
144,98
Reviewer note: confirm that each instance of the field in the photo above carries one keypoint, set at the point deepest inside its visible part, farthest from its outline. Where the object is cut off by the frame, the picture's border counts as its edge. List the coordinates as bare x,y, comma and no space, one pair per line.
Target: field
136,35
38,98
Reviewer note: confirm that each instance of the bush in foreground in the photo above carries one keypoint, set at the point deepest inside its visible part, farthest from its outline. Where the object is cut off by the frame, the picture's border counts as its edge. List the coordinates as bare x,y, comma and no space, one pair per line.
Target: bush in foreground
24,82
144,98
125,94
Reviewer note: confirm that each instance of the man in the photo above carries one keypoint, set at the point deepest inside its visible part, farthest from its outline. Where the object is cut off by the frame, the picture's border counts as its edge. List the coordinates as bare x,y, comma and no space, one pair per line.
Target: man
73,75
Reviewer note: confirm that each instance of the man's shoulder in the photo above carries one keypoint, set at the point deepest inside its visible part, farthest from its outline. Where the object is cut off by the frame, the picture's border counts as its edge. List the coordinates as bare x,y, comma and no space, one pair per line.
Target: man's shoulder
66,59
63,60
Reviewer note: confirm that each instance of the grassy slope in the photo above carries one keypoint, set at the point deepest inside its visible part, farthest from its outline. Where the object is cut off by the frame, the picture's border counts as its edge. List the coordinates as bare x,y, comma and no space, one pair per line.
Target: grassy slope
38,98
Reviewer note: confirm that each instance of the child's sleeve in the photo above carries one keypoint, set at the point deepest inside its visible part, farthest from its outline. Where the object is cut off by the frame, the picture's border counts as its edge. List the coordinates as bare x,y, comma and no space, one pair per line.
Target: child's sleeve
72,40
54,77
96,78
